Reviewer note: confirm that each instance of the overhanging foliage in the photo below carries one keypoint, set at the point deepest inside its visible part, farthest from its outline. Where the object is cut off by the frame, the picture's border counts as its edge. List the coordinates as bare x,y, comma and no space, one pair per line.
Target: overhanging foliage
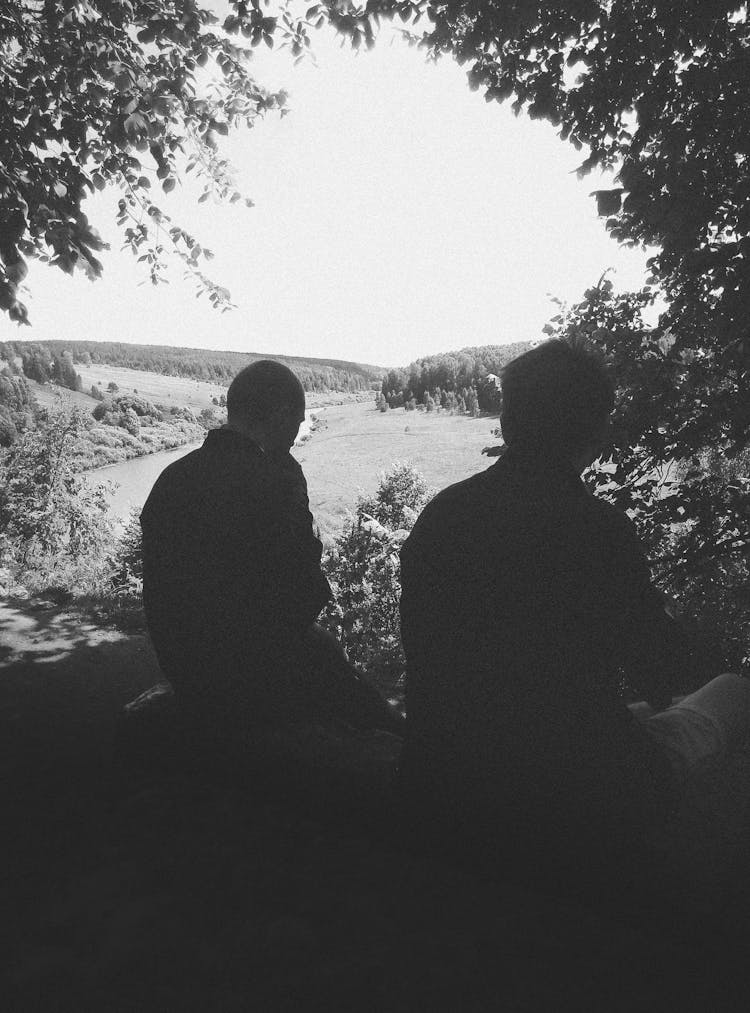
658,92
98,92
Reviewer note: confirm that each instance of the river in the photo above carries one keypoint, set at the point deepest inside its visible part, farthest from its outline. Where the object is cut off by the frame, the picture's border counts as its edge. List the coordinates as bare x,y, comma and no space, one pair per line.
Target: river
133,479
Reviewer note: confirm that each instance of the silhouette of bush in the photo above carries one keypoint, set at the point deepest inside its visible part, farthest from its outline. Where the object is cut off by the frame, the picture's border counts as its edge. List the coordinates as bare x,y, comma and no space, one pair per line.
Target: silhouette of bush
363,568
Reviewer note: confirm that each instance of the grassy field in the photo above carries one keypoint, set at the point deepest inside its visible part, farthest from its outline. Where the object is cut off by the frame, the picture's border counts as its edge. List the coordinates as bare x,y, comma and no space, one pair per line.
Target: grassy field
169,390
51,397
175,390
356,443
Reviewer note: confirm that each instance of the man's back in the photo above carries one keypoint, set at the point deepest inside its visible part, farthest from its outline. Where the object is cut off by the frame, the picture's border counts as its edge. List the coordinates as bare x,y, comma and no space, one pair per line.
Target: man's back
231,569
524,600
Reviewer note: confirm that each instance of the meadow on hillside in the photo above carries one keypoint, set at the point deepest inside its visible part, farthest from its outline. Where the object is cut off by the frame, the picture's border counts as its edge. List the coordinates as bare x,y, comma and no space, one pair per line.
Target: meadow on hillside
177,390
109,441
52,397
174,390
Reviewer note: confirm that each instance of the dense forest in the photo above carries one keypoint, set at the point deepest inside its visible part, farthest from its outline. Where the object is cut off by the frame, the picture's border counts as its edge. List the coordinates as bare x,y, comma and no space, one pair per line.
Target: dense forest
119,426
43,361
40,363
458,381
16,404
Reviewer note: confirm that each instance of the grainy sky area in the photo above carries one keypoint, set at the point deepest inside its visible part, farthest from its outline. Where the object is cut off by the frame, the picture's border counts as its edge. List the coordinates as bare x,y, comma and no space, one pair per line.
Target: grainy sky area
397,214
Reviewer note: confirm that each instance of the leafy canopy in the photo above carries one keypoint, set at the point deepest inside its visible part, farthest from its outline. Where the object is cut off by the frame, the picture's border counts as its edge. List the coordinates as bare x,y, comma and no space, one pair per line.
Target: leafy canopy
364,571
53,523
97,92
670,463
657,91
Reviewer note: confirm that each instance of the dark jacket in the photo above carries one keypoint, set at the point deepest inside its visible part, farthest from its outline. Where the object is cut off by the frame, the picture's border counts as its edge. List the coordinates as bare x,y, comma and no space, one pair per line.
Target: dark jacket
232,575
525,602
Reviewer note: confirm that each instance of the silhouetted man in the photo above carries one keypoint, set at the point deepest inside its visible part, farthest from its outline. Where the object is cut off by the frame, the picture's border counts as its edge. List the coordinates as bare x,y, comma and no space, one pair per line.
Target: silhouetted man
232,577
525,603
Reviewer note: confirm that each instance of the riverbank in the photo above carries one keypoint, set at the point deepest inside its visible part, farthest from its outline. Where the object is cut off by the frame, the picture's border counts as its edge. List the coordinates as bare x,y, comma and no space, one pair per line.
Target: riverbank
105,446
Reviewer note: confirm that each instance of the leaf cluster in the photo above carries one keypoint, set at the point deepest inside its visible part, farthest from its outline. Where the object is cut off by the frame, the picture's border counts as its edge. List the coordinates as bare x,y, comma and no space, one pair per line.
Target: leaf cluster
17,407
51,518
654,91
97,93
674,462
363,568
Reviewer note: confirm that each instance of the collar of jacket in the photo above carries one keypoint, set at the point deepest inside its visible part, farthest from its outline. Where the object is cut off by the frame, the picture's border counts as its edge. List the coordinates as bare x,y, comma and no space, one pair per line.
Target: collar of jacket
224,436
552,466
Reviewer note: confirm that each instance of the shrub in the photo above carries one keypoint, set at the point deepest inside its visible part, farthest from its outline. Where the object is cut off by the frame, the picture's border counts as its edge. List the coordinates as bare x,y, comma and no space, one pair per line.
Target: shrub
54,527
209,419
363,568
127,562
676,461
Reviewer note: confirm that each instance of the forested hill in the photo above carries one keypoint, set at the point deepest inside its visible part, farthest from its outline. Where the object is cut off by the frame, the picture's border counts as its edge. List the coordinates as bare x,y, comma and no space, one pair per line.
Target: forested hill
463,376
197,363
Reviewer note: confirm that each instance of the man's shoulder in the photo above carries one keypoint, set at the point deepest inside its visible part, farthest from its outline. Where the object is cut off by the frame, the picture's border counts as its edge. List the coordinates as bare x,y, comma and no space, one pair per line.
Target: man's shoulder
176,476
615,527
210,471
292,470
460,495
614,522
453,509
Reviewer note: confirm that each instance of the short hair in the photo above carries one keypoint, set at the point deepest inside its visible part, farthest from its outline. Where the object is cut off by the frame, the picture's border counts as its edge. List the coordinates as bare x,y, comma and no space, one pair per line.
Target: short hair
260,389
556,395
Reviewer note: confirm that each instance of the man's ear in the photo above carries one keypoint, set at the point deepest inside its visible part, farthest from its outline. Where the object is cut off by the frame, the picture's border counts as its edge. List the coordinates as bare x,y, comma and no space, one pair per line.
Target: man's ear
276,415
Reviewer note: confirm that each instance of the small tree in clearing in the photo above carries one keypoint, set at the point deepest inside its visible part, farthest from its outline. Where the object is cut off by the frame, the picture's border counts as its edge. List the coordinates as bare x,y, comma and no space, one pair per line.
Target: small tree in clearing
364,570
472,403
54,527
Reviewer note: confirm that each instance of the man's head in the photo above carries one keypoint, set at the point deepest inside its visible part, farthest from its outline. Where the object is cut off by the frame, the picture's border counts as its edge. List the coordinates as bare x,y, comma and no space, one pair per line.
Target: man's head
266,401
557,398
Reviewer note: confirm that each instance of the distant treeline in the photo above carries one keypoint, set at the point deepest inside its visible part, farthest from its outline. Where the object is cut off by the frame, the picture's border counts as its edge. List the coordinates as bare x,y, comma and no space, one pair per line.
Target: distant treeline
193,363
454,380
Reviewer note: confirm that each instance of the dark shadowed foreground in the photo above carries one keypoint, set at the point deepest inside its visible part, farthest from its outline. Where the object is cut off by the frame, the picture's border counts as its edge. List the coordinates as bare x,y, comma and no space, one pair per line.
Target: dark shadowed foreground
150,889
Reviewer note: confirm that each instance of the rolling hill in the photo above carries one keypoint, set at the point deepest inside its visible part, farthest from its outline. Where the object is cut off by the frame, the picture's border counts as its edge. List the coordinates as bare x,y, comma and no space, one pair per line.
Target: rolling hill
217,367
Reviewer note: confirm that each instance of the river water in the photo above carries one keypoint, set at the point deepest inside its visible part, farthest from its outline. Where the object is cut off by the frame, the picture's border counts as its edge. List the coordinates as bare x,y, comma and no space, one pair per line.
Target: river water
132,480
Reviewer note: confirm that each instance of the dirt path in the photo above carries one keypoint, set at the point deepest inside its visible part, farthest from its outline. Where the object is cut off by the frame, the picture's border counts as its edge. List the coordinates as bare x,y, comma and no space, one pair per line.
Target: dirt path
62,682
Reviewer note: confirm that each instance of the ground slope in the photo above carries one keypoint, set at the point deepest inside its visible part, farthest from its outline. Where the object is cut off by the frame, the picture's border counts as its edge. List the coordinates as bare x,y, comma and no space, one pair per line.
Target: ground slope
188,896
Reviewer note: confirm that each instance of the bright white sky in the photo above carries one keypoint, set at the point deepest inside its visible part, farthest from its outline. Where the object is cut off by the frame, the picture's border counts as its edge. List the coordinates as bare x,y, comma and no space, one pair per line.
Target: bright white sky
397,215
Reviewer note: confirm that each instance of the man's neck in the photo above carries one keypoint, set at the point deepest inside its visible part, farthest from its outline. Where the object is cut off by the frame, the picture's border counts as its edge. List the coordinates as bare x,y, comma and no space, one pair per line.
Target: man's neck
253,433
545,458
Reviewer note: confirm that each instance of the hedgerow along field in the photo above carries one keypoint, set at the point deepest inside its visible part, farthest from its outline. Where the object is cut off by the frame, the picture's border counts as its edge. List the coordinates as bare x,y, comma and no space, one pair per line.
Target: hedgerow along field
356,442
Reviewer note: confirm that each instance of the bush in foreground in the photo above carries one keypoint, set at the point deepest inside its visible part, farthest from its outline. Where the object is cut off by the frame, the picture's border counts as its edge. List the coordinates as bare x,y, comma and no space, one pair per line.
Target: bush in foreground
54,525
364,571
